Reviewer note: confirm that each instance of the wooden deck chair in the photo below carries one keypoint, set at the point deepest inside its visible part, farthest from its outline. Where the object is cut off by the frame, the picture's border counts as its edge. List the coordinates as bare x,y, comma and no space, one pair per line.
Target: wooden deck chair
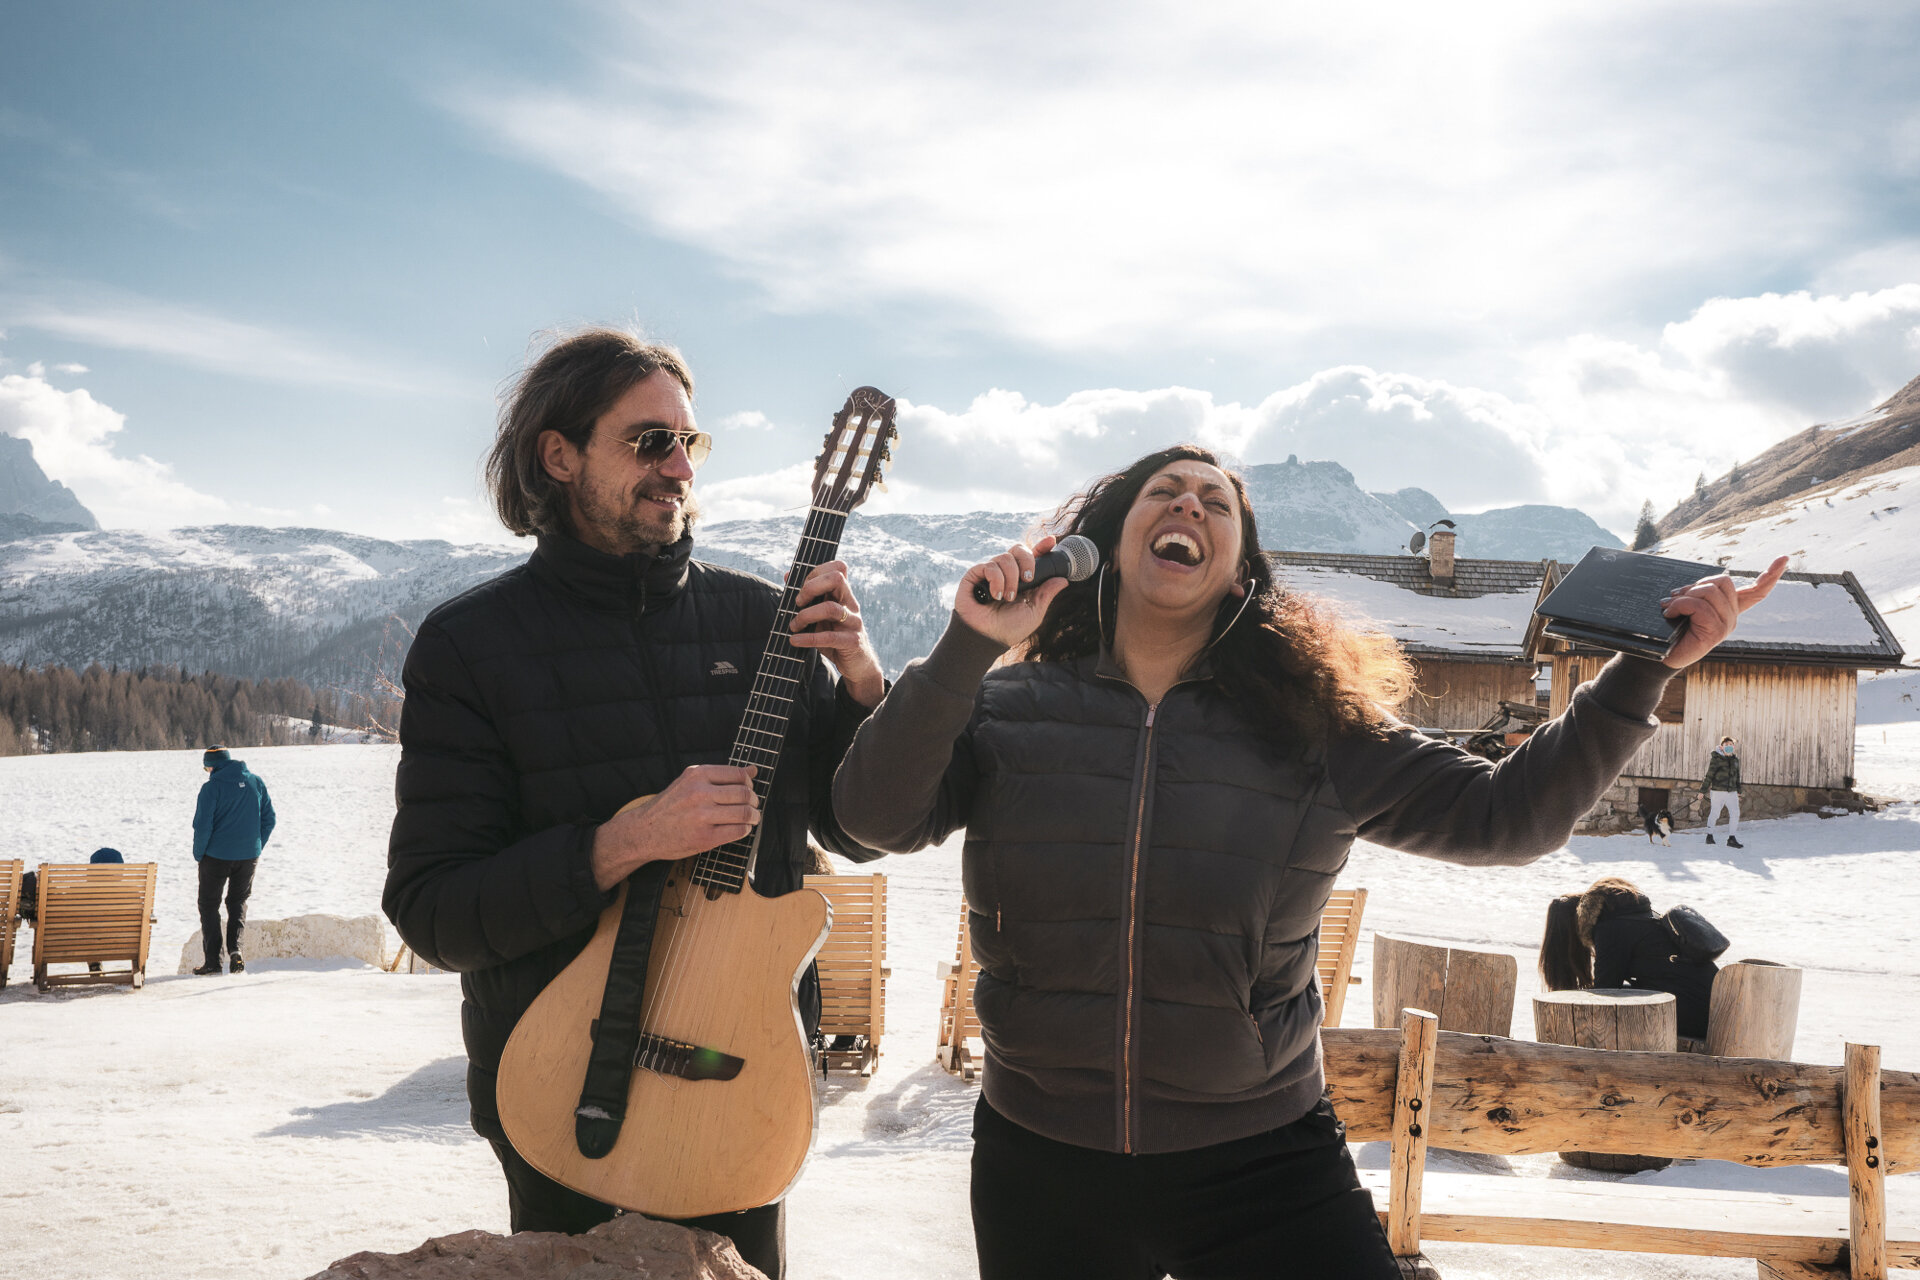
959,1022
853,971
93,912
1339,941
10,873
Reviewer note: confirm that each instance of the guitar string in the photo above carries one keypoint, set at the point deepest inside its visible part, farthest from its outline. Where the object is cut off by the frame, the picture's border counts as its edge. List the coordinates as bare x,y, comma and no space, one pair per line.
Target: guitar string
661,1012
667,1006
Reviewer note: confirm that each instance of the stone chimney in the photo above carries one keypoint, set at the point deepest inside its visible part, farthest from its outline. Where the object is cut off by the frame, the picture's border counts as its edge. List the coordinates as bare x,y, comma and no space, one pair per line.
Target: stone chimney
1440,556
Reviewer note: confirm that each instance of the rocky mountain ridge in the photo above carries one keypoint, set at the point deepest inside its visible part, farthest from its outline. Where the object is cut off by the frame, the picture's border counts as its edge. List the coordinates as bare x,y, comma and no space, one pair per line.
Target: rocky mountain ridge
1883,439
335,609
1841,497
30,503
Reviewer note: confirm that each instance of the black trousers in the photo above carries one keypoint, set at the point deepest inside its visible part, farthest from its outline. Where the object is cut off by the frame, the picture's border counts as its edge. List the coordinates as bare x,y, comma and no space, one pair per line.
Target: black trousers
1274,1206
536,1202
235,876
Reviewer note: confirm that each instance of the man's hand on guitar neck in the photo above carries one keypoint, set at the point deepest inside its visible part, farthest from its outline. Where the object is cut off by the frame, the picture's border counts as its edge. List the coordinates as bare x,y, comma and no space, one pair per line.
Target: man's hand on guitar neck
827,618
707,806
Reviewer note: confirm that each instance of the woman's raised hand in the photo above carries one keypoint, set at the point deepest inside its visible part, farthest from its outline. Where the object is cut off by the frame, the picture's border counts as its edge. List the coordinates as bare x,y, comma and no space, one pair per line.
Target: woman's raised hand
1014,614
1712,608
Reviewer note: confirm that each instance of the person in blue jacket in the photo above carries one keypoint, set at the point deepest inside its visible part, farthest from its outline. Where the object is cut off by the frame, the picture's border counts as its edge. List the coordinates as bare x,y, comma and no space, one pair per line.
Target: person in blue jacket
231,824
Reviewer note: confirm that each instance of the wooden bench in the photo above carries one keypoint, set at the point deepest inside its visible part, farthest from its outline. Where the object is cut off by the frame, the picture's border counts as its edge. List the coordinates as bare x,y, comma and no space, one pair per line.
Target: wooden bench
1339,943
1419,1085
959,1021
100,912
853,971
10,874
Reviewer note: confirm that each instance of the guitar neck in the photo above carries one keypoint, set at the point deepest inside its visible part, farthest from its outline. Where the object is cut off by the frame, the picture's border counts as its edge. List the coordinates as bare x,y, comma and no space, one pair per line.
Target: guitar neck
781,678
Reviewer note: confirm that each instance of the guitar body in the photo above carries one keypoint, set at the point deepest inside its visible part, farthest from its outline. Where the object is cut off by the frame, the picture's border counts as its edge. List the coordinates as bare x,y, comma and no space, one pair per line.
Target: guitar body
722,975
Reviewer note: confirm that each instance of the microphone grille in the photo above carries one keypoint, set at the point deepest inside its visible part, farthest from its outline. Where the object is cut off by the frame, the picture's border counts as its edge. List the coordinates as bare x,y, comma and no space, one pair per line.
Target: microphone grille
1083,557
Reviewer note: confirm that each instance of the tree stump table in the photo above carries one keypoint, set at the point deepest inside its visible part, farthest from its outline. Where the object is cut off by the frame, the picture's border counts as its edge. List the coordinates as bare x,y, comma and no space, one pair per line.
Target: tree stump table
1470,991
1754,1011
1607,1018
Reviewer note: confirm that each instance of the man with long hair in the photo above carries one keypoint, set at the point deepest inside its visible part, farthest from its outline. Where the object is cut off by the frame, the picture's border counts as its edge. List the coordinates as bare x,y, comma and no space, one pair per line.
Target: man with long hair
610,666
1157,801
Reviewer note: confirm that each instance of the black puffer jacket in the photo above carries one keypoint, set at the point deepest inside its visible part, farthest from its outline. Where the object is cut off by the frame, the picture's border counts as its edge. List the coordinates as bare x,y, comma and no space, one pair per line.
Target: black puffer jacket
1147,882
1633,947
537,705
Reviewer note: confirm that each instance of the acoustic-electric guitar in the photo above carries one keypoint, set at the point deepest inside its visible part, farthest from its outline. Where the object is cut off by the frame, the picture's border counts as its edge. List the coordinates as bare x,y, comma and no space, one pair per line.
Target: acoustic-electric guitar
705,1100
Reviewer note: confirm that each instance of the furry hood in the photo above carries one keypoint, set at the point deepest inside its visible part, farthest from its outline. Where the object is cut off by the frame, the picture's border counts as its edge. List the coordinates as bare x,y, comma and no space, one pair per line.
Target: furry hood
1609,897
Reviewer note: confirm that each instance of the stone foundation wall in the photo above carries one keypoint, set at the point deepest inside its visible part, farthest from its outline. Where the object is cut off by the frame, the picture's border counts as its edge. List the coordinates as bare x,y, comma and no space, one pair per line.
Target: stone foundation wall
1619,809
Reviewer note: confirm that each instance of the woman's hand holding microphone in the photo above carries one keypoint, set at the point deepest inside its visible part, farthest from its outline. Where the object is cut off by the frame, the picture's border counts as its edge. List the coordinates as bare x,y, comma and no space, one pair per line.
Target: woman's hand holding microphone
1011,614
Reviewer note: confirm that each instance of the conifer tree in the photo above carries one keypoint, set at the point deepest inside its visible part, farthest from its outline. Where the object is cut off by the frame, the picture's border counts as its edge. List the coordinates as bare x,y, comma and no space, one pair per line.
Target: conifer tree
1644,532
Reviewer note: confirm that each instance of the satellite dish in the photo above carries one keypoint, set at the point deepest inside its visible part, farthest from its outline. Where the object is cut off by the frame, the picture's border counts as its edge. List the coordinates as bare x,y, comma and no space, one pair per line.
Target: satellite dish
1418,541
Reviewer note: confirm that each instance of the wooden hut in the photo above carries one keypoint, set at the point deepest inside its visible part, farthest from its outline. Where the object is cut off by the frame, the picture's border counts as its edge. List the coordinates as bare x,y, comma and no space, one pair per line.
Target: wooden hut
1465,624
1784,686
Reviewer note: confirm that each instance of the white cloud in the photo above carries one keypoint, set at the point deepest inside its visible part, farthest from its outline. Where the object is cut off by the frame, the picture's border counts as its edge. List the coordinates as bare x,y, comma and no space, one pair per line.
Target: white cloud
70,368
1239,175
1004,452
753,497
1634,422
1601,424
746,420
206,341
73,437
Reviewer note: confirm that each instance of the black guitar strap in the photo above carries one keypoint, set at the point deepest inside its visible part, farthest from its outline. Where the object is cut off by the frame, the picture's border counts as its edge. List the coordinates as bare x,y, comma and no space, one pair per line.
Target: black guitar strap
616,1036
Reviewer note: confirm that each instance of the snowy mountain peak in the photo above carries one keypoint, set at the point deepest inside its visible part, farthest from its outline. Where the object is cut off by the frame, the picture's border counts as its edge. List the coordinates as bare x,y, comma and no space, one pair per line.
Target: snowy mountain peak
31,503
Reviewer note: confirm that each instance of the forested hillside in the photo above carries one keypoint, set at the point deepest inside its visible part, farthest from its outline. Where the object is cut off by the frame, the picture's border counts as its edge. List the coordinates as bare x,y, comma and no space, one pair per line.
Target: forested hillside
155,708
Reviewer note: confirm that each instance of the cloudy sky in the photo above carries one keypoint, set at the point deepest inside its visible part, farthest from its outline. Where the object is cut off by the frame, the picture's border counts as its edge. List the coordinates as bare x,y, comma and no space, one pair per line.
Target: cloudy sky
273,264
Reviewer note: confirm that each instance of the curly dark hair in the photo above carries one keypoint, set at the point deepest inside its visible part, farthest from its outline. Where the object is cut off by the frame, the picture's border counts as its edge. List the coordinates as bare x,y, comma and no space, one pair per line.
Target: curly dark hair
1299,672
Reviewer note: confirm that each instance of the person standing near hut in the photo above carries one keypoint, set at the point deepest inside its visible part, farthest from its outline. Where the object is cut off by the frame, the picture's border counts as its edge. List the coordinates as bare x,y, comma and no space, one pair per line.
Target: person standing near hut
1721,786
231,824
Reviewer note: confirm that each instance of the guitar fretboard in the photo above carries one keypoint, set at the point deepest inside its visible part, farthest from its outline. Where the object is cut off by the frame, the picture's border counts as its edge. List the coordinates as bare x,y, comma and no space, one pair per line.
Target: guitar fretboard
782,676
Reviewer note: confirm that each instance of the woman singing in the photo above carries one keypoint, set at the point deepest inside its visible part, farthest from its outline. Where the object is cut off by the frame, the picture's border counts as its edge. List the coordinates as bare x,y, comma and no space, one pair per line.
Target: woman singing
1157,799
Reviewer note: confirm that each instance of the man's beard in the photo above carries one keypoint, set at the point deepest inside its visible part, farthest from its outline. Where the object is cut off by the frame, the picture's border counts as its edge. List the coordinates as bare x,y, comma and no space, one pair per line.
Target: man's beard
632,523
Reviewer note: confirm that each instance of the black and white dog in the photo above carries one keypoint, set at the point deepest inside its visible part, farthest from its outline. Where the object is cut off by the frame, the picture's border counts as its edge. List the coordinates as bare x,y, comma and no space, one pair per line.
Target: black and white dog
1660,824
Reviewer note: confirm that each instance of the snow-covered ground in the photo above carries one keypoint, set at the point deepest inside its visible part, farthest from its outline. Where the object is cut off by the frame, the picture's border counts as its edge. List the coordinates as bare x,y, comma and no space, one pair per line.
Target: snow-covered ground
264,1125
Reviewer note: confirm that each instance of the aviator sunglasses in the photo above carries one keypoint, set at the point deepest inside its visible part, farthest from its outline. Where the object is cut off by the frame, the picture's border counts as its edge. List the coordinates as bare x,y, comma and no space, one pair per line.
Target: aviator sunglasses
653,445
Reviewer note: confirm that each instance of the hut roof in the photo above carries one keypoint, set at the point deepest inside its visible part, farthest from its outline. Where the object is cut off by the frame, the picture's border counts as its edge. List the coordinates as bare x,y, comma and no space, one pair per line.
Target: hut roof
1485,615
1825,619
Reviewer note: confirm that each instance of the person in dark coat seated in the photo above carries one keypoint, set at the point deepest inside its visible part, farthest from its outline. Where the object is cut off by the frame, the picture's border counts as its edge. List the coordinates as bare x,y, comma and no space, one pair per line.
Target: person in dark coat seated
1610,936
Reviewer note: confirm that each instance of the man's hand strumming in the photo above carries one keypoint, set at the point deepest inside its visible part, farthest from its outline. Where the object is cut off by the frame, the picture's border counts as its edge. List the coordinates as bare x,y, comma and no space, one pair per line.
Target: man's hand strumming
704,808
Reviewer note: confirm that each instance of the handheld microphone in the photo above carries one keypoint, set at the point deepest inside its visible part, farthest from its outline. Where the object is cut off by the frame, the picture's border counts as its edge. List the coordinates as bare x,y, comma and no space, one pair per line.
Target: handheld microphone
1073,558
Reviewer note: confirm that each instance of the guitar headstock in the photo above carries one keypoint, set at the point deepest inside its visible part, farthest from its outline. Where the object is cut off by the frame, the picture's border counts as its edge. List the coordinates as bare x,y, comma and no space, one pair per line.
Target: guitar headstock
858,446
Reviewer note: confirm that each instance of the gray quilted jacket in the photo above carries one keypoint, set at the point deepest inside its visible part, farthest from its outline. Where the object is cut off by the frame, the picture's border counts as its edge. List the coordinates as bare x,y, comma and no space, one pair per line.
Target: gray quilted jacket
1146,882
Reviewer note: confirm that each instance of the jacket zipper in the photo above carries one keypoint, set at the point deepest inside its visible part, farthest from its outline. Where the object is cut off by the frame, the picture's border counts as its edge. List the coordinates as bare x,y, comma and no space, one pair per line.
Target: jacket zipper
1133,919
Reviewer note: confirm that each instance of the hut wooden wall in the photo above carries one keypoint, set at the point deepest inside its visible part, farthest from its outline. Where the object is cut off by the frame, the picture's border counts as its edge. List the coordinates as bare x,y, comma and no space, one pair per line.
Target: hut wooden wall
1464,695
1795,723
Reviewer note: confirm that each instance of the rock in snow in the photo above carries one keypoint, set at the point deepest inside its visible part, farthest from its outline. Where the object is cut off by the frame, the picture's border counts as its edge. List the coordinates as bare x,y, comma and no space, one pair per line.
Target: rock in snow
628,1248
314,937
